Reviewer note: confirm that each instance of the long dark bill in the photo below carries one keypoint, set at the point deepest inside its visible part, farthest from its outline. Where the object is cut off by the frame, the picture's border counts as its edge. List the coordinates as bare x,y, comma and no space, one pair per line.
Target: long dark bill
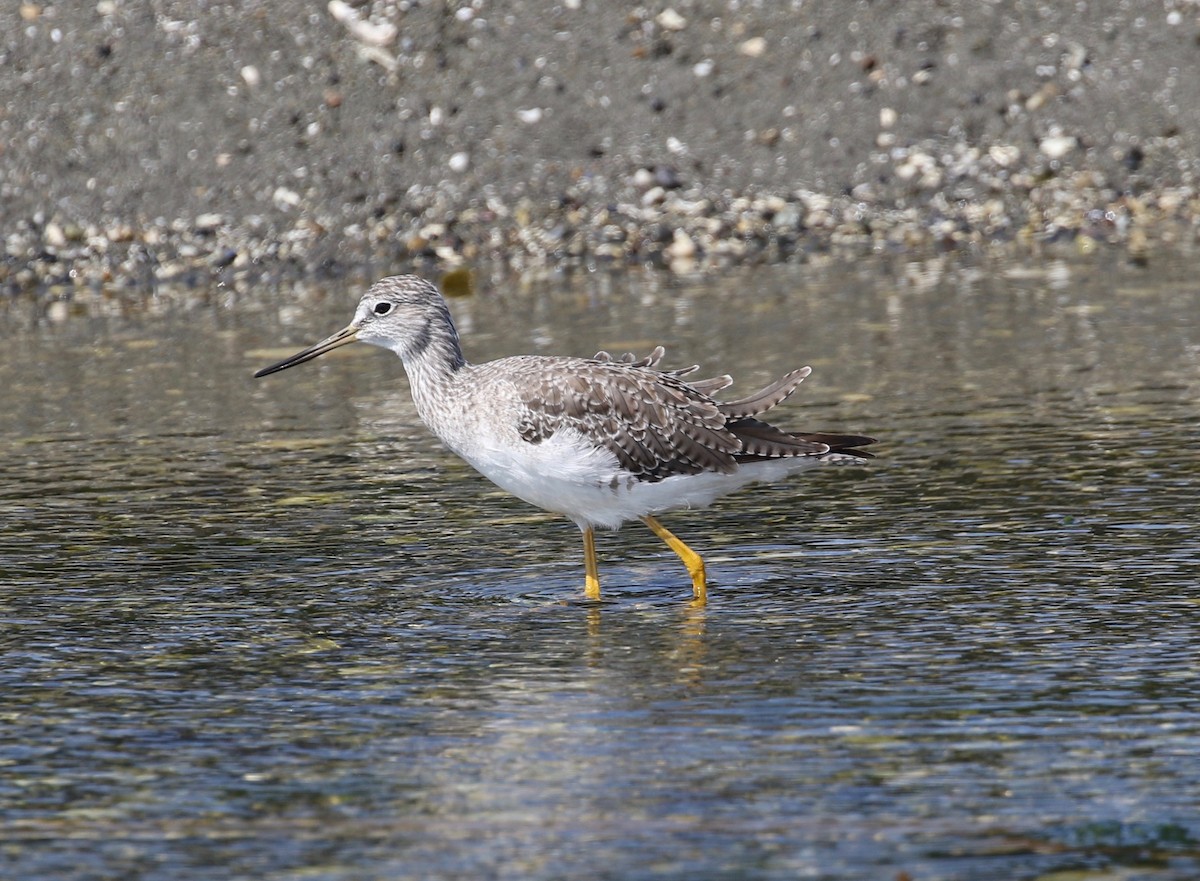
341,338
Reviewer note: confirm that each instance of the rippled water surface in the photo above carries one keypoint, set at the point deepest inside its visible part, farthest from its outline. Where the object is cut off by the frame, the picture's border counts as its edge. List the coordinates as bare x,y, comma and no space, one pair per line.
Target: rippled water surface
269,629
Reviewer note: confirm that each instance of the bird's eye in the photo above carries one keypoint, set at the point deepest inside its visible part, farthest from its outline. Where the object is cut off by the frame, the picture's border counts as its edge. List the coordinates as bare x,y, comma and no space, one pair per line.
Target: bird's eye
383,308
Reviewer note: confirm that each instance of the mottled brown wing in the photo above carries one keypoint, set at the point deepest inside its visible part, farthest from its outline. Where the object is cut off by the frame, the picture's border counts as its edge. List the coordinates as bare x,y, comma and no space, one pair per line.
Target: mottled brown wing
654,422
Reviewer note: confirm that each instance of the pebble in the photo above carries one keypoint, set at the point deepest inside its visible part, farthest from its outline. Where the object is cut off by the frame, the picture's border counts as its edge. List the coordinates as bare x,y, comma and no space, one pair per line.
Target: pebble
54,235
681,246
1057,146
285,199
921,169
1004,155
643,178
670,20
376,34
653,196
754,47
666,176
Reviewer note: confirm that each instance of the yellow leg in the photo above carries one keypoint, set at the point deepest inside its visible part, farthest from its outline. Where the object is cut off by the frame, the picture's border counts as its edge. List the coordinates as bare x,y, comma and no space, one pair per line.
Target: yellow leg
591,584
695,565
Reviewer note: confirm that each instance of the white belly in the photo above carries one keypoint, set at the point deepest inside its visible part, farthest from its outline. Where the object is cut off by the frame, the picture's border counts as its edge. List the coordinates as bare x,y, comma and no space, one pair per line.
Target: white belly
569,476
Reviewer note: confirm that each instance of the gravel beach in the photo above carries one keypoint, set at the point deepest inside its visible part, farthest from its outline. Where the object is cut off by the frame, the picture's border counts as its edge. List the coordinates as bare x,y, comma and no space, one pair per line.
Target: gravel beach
144,142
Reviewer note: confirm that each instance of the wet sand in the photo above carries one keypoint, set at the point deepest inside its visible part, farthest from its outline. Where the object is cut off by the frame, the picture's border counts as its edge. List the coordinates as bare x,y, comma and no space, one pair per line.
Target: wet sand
145,143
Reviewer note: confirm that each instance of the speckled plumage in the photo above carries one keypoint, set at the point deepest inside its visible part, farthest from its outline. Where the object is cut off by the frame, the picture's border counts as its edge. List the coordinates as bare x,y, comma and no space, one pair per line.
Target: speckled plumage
600,440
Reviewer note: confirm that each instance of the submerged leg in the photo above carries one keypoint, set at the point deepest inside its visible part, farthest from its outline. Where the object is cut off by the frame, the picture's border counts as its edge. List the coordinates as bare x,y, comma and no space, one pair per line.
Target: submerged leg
591,584
695,565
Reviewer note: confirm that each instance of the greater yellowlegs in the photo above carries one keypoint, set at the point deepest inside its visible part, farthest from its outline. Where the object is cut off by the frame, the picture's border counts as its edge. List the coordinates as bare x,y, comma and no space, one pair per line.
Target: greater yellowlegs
600,440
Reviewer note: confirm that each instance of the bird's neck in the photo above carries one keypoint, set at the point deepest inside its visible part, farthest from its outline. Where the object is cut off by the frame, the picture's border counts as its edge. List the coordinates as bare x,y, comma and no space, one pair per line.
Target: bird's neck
433,355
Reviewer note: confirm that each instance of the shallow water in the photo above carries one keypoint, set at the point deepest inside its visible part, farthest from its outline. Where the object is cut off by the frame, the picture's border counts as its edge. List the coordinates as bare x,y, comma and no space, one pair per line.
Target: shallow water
269,629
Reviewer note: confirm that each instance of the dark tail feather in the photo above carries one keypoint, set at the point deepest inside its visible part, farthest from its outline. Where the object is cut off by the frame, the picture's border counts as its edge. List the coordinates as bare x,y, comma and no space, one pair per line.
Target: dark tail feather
844,444
761,440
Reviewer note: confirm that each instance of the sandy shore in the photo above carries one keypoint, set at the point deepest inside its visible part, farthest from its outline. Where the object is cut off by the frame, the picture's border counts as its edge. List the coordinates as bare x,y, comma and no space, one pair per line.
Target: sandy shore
151,141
